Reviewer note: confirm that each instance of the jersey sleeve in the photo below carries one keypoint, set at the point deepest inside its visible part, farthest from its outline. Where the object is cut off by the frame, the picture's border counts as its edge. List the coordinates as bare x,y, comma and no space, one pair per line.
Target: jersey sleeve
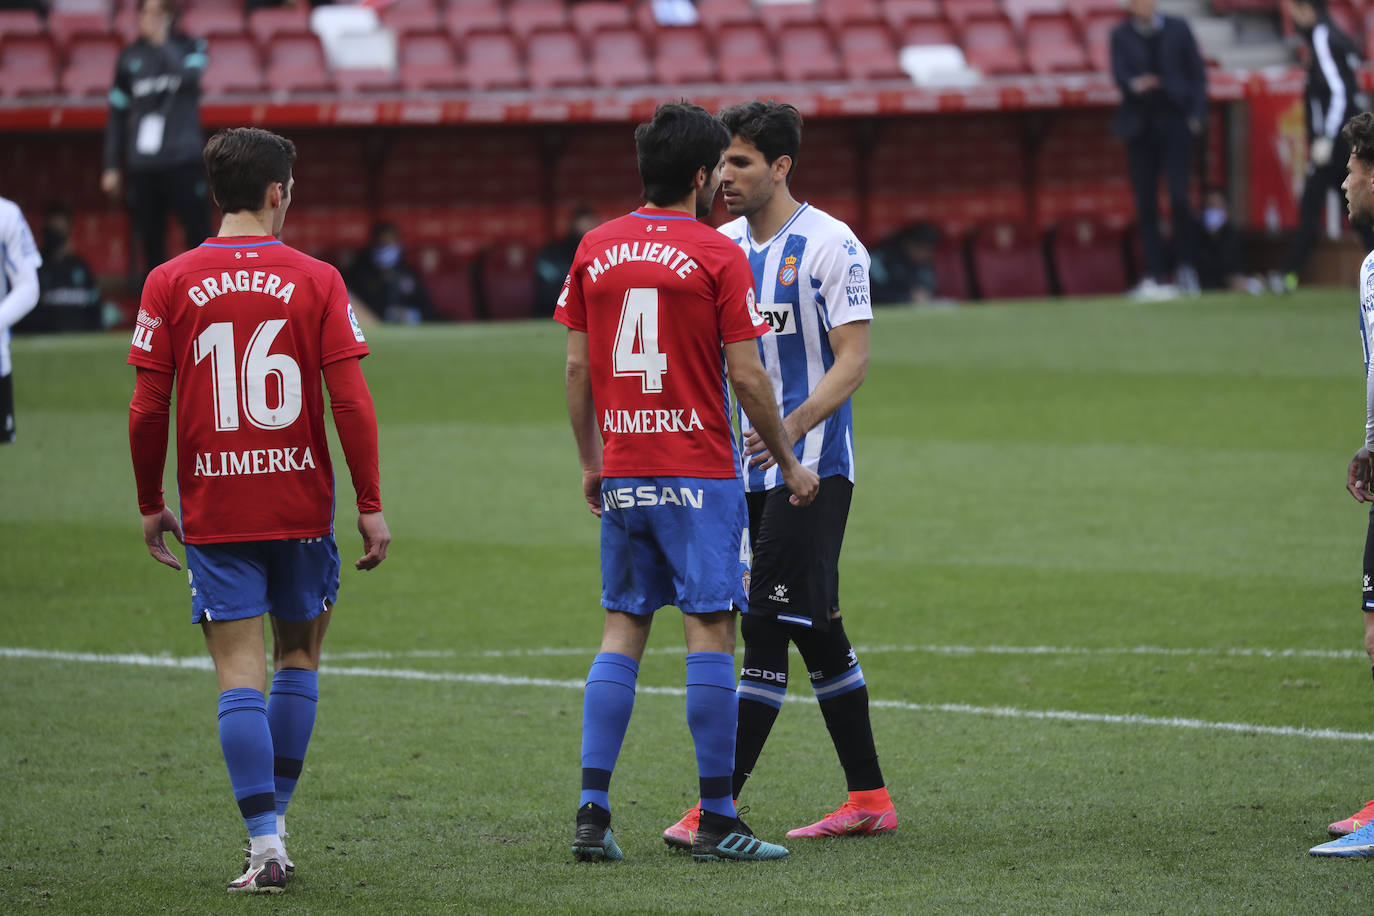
341,336
151,346
840,280
571,309
1366,328
737,313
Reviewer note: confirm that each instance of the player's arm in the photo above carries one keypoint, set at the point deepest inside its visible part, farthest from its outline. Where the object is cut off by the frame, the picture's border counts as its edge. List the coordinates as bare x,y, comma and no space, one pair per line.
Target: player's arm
754,390
355,418
20,265
116,128
582,414
149,418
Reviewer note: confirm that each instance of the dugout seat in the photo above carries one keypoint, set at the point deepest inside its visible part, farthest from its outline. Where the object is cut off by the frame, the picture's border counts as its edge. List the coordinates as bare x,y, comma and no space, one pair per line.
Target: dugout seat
493,62
28,66
63,26
428,61
449,280
683,55
868,52
1088,258
525,17
719,16
843,14
295,64
91,63
462,19
1008,262
19,24
806,53
506,281
1053,46
961,11
1083,10
951,271
405,16
936,31
593,17
620,57
209,23
781,18
235,66
1021,10
990,44
745,55
555,60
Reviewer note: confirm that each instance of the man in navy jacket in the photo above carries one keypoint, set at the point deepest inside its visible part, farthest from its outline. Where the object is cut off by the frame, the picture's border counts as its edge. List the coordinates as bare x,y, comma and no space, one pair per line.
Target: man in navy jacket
1163,85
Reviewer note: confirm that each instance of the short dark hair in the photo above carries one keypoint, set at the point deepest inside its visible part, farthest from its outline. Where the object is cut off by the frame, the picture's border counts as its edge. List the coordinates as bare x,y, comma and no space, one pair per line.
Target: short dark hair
774,127
1318,5
243,162
1359,133
680,139
58,208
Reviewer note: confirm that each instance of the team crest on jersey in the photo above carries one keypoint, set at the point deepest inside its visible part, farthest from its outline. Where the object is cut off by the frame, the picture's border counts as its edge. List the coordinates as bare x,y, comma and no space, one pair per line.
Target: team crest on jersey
787,274
856,273
357,329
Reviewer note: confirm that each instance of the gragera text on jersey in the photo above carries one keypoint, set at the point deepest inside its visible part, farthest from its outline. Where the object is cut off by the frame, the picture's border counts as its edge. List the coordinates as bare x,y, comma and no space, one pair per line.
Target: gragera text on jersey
810,277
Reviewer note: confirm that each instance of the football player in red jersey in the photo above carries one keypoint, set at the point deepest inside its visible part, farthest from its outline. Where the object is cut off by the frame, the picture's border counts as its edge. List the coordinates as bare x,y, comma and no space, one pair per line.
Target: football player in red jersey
658,306
245,327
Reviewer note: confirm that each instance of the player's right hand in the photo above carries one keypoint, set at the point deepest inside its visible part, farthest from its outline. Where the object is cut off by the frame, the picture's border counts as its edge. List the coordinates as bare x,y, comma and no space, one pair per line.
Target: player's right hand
154,526
376,538
109,182
1359,478
803,483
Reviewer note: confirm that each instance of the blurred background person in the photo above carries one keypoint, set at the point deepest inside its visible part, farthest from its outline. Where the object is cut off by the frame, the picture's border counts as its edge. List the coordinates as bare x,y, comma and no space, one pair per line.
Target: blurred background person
553,261
1220,254
1163,84
903,268
153,132
18,295
1331,97
385,281
68,292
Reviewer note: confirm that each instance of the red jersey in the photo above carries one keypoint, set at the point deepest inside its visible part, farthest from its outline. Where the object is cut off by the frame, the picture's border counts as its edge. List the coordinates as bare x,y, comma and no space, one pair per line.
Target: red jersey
658,294
246,324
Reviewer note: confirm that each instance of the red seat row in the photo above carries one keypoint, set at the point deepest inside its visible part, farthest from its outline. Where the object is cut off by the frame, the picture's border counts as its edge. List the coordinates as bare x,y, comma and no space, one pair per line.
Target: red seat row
1005,260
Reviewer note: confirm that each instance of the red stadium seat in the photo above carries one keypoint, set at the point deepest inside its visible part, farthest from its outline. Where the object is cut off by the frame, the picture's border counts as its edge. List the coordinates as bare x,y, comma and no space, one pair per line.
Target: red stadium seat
463,19
410,16
620,57
720,15
927,32
990,45
507,281
265,24
1083,10
951,272
556,60
1020,10
428,61
1097,37
592,17
1088,259
28,66
63,26
684,56
959,11
91,64
295,63
525,17
19,24
841,14
1008,262
899,13
235,66
493,62
868,52
359,80
779,18
1052,44
805,53
208,23
745,55
449,280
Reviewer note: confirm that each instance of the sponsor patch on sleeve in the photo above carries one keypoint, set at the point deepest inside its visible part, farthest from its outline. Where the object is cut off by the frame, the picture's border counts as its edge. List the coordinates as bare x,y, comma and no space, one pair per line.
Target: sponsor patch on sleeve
357,329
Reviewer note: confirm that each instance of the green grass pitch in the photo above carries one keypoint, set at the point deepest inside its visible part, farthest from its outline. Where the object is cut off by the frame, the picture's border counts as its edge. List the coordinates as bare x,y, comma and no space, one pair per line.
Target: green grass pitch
1101,569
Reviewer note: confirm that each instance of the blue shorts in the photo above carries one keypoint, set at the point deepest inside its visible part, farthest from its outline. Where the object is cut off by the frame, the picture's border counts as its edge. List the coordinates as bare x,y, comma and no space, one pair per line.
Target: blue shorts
290,579
673,540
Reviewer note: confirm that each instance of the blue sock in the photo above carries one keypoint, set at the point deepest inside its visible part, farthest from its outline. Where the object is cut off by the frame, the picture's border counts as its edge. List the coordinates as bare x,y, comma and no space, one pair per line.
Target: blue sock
247,744
606,708
291,716
711,715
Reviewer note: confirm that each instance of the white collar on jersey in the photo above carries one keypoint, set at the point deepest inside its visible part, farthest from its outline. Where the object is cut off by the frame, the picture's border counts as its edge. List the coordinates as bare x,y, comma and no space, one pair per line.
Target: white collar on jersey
776,235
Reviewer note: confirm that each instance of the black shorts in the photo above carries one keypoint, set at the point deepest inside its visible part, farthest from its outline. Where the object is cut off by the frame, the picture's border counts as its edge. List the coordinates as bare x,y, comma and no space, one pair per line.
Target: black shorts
795,576
1368,601
7,408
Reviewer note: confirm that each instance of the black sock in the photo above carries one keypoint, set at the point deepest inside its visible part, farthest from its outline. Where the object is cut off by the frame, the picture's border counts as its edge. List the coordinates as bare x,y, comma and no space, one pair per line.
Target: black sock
843,696
762,686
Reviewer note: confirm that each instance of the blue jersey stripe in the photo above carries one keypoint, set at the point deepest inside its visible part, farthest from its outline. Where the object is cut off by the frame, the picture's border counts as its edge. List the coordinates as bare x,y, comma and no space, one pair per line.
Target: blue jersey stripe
245,245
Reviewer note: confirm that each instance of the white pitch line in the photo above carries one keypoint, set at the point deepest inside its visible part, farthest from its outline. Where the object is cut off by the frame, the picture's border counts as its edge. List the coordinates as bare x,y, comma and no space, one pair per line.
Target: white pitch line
1005,712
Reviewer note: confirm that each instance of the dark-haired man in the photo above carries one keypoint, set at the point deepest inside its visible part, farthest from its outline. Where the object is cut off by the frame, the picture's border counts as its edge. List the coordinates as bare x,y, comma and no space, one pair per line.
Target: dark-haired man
810,276
1356,833
1331,98
658,307
153,131
244,327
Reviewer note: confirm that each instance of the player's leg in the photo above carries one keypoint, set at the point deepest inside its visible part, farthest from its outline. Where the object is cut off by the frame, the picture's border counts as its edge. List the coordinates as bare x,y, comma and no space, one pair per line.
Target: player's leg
7,427
228,599
148,213
1143,162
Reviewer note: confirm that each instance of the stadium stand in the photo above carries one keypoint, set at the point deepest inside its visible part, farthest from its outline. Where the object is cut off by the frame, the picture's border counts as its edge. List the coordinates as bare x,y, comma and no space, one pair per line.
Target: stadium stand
493,62
28,66
1087,258
428,61
235,66
684,56
620,57
805,53
295,63
555,60
91,61
1008,262
506,281
745,55
868,52
462,19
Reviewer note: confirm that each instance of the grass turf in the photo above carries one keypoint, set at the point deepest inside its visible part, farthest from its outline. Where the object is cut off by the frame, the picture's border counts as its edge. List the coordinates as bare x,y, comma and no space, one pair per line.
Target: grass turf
1092,477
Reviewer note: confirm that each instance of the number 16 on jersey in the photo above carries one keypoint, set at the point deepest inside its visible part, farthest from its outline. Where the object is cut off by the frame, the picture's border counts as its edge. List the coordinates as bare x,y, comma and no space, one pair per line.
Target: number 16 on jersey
639,326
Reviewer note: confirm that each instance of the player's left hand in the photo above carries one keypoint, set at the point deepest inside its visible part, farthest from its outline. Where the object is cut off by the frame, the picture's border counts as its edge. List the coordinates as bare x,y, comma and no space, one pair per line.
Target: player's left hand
591,489
154,527
376,539
1359,478
757,453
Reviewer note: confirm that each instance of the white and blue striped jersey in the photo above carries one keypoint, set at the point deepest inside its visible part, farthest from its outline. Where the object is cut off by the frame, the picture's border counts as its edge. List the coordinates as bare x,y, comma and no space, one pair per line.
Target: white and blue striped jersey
19,263
1367,338
810,277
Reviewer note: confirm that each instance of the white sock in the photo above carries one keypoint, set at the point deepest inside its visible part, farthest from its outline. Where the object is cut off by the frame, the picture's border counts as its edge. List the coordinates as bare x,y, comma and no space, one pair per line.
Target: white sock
262,845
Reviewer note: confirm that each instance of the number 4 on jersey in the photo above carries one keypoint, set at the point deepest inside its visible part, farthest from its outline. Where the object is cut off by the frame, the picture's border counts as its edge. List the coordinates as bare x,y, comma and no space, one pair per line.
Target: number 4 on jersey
636,340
